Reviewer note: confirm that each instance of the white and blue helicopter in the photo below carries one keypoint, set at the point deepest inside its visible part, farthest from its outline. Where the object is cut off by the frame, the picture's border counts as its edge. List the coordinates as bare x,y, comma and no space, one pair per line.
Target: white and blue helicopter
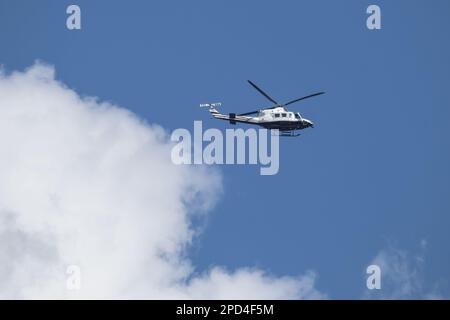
274,117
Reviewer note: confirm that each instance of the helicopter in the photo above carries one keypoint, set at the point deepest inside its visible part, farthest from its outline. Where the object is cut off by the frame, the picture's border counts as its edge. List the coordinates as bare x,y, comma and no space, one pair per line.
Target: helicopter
274,117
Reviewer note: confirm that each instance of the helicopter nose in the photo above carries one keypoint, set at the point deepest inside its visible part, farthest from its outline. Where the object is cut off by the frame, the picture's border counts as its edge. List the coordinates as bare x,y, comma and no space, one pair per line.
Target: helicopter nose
308,123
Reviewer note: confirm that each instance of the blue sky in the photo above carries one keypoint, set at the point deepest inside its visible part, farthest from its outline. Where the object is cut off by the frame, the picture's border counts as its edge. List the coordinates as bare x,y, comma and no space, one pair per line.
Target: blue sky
374,172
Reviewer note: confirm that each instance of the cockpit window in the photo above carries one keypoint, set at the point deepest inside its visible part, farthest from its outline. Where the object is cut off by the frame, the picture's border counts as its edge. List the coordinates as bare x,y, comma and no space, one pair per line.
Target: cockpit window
297,116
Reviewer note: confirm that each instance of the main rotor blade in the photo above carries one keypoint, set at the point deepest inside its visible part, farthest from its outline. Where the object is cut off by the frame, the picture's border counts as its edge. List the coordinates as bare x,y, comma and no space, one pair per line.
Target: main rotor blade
262,92
248,113
303,98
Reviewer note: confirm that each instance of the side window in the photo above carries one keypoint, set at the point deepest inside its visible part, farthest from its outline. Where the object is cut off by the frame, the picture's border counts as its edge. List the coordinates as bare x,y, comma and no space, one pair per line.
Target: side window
283,115
277,115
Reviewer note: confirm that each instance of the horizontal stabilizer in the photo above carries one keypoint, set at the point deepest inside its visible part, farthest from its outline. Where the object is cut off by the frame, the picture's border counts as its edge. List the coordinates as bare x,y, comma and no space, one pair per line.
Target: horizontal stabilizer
210,105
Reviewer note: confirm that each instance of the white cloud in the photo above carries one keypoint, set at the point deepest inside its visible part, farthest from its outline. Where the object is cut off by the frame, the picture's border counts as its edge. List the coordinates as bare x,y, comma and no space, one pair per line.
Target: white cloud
87,183
402,275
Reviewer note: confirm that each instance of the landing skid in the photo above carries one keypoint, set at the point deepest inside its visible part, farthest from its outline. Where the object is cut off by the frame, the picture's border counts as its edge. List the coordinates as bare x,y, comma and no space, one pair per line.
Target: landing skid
291,134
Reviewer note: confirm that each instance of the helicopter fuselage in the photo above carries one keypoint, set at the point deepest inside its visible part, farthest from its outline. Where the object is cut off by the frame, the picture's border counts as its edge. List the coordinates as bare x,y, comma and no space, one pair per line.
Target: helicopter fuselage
275,118
282,119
